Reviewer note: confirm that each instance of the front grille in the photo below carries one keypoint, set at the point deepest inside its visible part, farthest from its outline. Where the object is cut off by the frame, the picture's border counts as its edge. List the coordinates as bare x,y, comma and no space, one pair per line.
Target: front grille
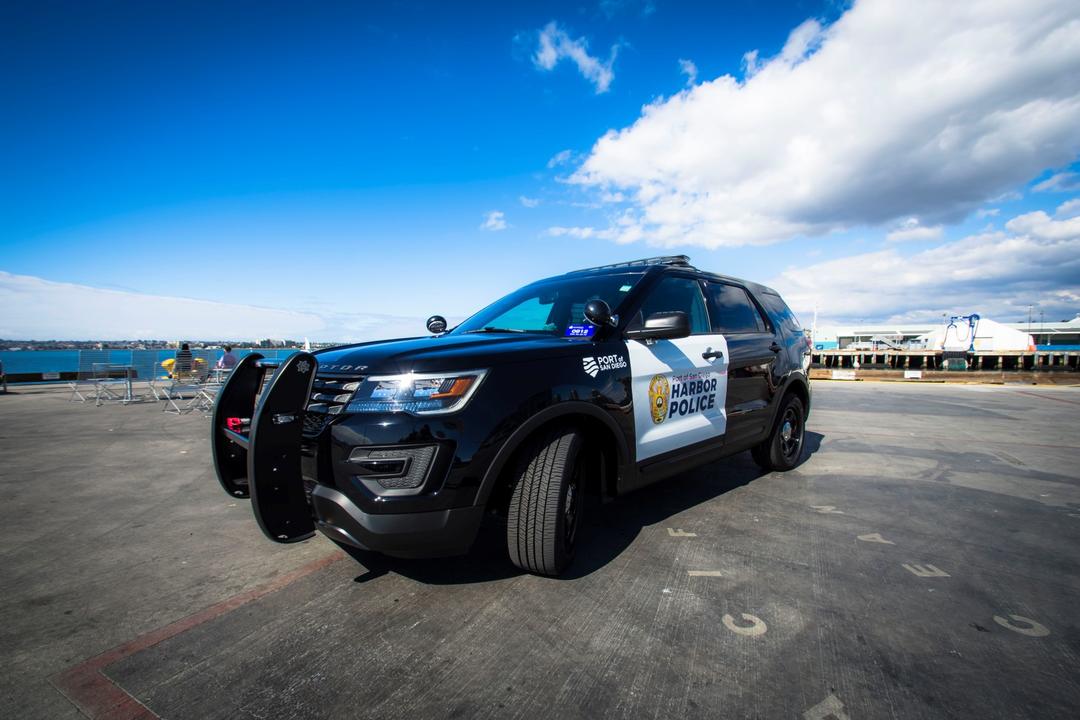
329,396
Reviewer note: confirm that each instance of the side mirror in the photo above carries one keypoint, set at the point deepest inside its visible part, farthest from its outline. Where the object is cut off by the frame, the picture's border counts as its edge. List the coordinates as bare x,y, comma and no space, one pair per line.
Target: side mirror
436,324
662,326
598,313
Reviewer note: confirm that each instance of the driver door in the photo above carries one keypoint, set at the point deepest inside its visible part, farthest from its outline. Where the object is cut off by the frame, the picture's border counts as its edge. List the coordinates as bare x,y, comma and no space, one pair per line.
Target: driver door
679,386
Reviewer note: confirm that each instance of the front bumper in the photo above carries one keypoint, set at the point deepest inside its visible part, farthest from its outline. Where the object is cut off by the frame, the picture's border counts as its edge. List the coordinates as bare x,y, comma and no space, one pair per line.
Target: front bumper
438,533
261,450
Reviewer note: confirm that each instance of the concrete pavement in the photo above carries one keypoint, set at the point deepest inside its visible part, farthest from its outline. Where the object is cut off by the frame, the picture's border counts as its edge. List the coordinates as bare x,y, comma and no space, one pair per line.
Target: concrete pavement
923,562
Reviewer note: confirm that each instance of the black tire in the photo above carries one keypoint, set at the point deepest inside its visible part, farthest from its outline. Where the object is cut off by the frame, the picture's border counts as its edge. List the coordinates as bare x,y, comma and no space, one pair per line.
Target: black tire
546,506
782,450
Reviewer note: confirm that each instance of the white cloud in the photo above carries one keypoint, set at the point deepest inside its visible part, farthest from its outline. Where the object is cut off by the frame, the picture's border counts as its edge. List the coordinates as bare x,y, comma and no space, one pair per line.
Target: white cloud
898,109
997,274
801,42
581,233
528,201
494,221
1059,182
987,212
689,69
1068,208
750,63
560,158
910,229
1008,196
38,309
555,45
1038,224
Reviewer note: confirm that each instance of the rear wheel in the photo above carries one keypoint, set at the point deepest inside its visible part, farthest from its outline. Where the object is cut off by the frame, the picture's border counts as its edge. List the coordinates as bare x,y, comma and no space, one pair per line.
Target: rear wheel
545,508
782,450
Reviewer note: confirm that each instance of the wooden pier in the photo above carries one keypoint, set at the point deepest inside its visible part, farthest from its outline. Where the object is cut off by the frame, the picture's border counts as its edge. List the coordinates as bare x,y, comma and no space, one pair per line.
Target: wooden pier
1019,361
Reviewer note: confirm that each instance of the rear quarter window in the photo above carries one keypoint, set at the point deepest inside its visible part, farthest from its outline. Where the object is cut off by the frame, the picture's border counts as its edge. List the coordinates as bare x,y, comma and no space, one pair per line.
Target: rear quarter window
732,311
781,314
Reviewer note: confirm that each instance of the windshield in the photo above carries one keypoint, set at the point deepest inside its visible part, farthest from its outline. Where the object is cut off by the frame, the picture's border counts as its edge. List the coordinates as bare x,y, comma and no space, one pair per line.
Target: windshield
552,307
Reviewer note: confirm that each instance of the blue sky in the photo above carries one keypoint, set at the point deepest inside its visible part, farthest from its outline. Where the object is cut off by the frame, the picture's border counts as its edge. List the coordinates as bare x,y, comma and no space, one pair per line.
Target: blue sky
342,161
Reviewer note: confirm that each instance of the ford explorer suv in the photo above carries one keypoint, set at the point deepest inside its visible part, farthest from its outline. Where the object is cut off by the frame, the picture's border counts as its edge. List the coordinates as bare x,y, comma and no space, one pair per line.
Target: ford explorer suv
597,382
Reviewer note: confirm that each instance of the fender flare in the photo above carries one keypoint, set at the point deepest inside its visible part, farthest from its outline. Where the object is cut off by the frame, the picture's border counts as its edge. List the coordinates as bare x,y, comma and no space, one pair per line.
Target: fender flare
786,387
569,408
803,382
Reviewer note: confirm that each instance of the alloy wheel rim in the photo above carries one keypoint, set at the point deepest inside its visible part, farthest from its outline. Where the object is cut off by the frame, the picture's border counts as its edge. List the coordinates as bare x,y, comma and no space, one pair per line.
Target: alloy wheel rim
791,434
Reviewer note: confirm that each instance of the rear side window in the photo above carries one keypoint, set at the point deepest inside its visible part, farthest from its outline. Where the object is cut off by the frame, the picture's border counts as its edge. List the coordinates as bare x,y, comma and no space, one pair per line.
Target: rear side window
671,294
732,310
781,313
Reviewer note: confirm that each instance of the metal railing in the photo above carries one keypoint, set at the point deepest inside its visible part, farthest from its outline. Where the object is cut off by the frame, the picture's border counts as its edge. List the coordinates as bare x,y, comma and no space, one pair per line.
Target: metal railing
128,376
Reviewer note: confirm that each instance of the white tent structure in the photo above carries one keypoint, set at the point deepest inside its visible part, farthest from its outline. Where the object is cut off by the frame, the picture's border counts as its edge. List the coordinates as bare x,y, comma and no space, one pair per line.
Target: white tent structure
990,336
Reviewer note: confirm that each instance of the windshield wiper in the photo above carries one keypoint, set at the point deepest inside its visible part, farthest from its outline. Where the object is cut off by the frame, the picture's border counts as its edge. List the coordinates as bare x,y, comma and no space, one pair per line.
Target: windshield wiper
495,330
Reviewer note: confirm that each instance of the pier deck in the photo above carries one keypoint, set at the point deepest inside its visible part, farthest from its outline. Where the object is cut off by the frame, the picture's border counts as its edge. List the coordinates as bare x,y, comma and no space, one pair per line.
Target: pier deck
923,562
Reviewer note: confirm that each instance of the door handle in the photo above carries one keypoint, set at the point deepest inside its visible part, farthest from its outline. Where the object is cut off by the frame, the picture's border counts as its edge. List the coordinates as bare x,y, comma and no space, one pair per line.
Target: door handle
710,354
775,347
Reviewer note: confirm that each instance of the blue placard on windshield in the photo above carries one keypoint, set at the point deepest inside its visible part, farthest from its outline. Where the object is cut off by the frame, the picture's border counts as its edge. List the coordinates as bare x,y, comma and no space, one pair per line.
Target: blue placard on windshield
580,330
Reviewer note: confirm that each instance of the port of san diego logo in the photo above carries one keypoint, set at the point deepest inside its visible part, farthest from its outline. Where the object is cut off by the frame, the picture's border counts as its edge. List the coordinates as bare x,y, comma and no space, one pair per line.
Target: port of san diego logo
593,366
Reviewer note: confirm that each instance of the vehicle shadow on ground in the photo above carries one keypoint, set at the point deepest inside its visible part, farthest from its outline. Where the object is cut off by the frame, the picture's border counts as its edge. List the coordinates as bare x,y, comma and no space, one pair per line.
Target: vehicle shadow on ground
607,529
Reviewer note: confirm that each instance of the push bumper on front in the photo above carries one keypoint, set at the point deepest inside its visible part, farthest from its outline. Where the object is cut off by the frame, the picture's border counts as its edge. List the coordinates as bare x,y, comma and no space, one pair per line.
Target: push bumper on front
256,434
256,439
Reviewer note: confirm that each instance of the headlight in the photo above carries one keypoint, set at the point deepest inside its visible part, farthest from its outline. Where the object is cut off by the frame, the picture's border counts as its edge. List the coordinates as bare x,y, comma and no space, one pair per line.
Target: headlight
419,394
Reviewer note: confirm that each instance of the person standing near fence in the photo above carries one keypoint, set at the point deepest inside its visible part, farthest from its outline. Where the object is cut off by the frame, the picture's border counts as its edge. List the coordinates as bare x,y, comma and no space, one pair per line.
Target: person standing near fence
183,360
228,360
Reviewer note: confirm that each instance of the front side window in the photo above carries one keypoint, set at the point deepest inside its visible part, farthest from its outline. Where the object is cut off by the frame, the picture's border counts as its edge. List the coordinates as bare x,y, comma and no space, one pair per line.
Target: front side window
675,294
732,310
550,306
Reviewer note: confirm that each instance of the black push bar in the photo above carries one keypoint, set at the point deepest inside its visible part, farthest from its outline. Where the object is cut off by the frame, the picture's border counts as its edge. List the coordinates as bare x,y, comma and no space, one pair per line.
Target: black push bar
256,448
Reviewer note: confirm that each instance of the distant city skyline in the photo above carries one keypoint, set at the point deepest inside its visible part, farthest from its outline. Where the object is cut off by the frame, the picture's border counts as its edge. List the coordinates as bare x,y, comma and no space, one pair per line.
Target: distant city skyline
340,172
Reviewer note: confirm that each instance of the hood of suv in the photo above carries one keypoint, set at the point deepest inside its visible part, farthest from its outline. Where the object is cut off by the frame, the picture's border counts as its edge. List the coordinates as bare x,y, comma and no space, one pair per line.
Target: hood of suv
444,352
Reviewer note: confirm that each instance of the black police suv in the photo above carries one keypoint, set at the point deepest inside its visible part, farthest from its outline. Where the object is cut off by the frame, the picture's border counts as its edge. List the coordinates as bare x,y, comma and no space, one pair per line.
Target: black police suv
597,381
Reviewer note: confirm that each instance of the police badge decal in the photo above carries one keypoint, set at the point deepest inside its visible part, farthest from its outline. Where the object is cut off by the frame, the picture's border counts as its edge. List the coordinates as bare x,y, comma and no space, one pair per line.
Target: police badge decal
659,397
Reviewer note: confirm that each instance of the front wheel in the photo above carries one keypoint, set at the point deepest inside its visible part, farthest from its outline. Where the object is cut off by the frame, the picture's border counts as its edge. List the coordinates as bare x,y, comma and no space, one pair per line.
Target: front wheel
545,508
782,450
